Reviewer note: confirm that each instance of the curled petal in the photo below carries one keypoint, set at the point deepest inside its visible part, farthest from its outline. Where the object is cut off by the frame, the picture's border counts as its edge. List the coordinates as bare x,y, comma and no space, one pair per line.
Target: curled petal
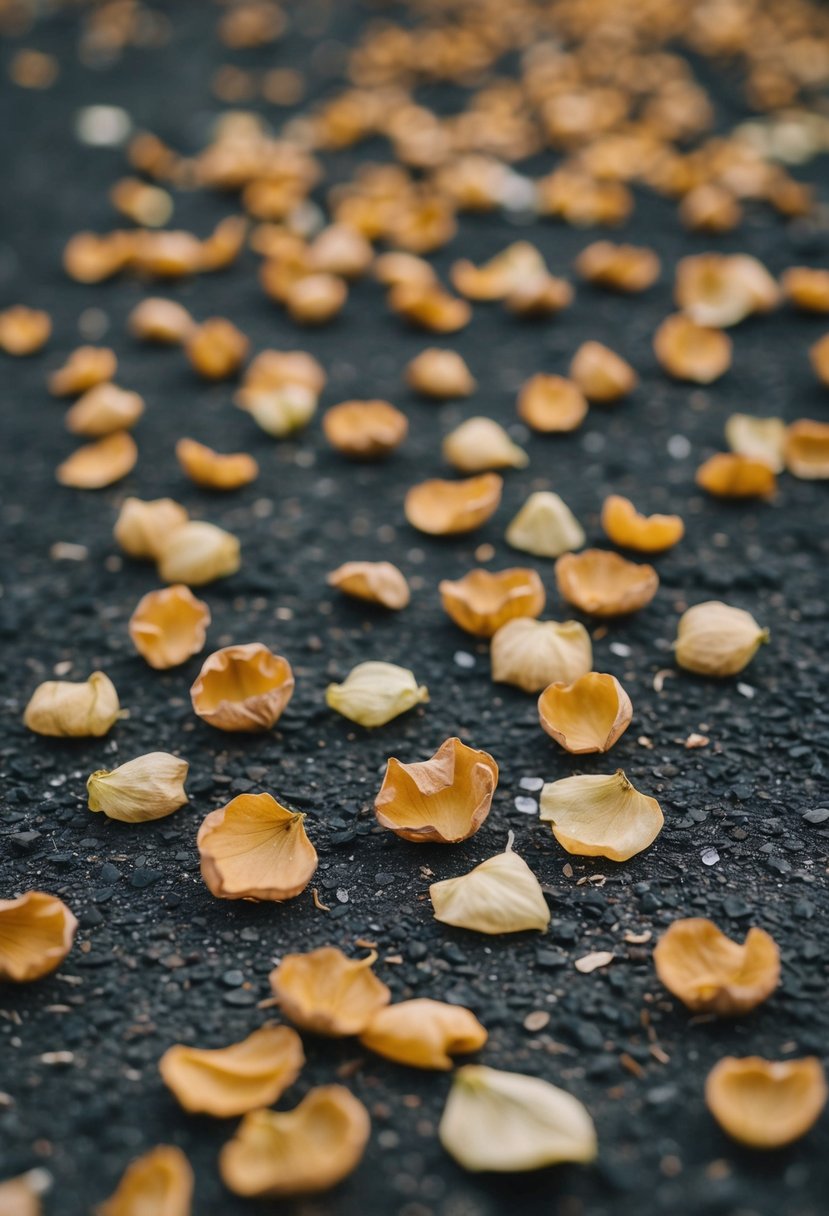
445,508
444,799
65,709
532,654
169,626
602,583
714,639
374,693
197,553
243,688
645,533
423,1033
149,787
710,973
97,465
806,449
376,582
601,374
758,438
730,475
545,526
254,848
160,1182
688,351
232,1080
143,528
501,895
327,993
215,470
481,443
766,1104
365,430
586,716
36,934
482,601
551,404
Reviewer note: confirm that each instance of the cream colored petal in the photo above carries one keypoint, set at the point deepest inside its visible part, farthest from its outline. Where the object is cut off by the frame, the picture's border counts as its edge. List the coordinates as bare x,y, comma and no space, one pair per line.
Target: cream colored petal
501,895
65,709
104,409
279,411
230,1081
21,1196
143,528
197,553
760,438
507,1122
598,816
545,526
714,639
480,444
254,848
36,934
148,787
159,1183
444,799
328,993
532,654
423,1033
297,1152
373,693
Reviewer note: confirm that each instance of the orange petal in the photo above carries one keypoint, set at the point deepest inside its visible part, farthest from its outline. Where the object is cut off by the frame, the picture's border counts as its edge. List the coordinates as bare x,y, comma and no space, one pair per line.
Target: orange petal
243,688
601,374
216,349
254,848
645,533
442,374
551,404
602,583
444,799
104,409
160,1182
97,465
169,626
444,508
766,1104
215,470
688,351
232,1080
365,430
628,268
423,1033
327,993
588,715
376,582
807,449
85,367
710,973
730,475
36,934
482,601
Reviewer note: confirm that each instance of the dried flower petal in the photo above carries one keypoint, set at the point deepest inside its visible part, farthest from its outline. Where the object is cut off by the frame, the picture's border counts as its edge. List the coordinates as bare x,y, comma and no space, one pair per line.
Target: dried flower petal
602,583
628,268
232,1080
507,1122
442,374
758,438
328,993
143,528
149,787
766,1104
197,553
444,799
807,449
430,307
545,526
730,475
551,404
36,934
586,716
501,895
297,1152
819,359
85,367
598,816
424,1033
365,430
807,287
169,626
539,295
688,351
532,654
710,973
279,411
373,693
714,639
445,508
253,848
215,470
97,465
160,1182
644,533
500,275
65,709
719,290
243,688
315,299
24,331
217,349
376,582
272,369
601,374
482,601
104,409
164,321
479,444
21,1196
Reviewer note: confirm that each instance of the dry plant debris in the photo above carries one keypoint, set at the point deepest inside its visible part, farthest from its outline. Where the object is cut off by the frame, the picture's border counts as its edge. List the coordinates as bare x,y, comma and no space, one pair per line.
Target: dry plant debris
442,800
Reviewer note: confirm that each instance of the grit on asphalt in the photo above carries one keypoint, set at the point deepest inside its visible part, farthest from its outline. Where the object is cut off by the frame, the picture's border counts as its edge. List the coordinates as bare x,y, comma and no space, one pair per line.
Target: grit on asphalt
158,960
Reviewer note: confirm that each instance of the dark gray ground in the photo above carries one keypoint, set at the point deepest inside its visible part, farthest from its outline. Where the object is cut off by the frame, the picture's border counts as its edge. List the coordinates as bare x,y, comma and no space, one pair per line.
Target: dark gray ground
158,959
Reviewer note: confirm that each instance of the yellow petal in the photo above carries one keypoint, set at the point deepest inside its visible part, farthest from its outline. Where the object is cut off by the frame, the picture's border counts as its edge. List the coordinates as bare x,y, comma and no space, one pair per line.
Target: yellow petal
374,693
545,526
807,449
97,465
85,367
104,409
169,626
197,553
710,973
714,639
444,799
501,895
688,351
243,688
73,710
602,583
376,582
423,1033
446,508
586,716
441,374
532,654
365,430
480,444
758,438
232,1080
215,470
160,1182
279,411
601,374
254,848
149,787
143,528
731,475
482,601
507,1122
297,1152
551,404
722,289
36,934
598,816
327,993
766,1104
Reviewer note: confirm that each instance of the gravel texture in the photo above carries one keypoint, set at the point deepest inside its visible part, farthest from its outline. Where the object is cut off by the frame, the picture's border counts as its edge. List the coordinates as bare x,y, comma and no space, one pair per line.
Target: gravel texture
158,960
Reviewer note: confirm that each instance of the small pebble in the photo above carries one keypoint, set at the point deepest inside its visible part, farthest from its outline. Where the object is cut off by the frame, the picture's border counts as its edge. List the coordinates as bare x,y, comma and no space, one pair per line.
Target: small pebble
710,857
679,447
527,806
535,783
463,659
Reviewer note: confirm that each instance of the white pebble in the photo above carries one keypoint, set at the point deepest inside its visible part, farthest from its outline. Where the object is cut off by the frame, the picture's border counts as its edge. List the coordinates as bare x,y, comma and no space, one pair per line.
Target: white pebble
463,659
102,126
527,806
621,649
745,690
531,783
679,447
710,857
